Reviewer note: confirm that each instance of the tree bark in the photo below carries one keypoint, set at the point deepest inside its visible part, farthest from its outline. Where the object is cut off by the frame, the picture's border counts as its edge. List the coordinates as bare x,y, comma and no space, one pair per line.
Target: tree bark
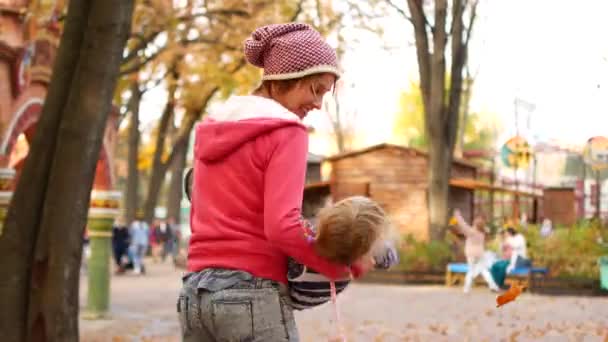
439,153
24,215
131,196
45,241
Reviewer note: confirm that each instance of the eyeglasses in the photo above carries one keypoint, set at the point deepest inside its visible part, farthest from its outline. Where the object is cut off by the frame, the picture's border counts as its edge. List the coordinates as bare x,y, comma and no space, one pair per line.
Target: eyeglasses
315,92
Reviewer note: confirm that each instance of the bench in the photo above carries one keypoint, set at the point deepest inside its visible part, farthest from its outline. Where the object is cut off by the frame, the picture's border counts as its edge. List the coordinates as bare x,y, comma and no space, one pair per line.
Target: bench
455,273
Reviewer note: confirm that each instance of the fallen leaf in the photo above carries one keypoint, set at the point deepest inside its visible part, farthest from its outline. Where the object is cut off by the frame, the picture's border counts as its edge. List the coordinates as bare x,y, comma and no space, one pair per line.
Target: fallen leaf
513,336
509,296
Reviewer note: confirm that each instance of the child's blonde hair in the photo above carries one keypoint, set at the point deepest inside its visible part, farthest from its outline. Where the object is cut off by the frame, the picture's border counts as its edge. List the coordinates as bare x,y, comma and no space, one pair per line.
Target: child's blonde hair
349,229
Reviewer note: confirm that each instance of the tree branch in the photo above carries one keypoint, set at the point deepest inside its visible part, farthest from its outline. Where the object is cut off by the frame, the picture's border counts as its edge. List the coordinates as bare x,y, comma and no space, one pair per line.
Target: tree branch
422,50
437,85
458,63
184,42
399,10
195,115
143,43
156,83
210,14
471,22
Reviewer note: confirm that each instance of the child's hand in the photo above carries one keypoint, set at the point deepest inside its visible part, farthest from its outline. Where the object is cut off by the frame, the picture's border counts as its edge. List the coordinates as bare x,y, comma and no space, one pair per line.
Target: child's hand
388,258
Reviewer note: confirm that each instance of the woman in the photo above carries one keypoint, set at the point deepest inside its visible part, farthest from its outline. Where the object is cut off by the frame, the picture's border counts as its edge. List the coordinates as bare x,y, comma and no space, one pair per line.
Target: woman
474,251
247,187
519,250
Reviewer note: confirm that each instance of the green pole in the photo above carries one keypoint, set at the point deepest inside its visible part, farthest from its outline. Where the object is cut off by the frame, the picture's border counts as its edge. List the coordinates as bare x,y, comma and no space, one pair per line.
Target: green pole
103,211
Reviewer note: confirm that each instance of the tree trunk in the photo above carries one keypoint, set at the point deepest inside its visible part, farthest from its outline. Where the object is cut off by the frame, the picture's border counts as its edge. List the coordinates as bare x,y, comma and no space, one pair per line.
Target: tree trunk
24,215
176,187
439,189
159,168
43,302
441,108
464,113
131,197
53,314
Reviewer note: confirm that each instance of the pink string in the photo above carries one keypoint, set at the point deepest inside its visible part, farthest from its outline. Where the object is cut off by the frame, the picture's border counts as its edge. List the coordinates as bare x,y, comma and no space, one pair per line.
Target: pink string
334,301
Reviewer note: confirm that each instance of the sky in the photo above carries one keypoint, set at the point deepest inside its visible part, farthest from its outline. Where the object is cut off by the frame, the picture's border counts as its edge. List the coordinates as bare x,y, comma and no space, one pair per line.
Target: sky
550,53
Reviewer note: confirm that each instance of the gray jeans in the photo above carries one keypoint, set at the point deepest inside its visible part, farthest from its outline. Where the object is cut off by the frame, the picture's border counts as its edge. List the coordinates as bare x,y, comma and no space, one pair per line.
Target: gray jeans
219,305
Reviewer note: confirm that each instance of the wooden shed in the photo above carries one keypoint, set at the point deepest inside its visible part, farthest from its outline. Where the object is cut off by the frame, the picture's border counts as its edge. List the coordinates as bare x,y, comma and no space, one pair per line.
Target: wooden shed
396,177
560,205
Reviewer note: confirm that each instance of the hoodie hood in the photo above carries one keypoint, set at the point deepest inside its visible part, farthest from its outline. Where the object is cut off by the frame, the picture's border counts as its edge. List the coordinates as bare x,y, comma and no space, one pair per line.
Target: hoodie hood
239,120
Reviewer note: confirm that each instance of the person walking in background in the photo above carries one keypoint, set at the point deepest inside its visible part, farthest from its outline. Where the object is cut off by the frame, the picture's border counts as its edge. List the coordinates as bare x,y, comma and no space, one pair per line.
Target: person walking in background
171,239
474,251
121,240
156,240
140,237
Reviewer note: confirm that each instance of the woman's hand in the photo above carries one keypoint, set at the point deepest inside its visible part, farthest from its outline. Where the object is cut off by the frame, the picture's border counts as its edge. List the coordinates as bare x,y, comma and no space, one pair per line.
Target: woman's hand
362,266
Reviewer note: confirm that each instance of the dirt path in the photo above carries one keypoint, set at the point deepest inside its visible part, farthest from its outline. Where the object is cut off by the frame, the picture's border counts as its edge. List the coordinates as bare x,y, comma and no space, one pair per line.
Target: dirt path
143,309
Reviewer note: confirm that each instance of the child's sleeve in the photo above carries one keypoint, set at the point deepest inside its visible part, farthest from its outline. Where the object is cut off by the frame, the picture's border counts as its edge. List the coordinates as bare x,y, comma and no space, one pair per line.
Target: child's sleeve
463,226
387,257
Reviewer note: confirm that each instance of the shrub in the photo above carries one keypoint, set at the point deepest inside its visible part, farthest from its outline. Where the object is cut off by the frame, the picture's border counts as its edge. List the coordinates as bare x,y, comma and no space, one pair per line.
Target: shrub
424,255
569,251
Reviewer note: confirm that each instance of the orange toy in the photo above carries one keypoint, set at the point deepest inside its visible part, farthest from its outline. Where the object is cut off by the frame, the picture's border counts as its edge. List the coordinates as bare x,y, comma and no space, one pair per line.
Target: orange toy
509,296
453,221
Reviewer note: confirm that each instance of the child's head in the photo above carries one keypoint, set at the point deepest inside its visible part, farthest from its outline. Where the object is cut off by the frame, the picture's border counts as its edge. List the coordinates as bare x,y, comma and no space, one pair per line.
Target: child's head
349,229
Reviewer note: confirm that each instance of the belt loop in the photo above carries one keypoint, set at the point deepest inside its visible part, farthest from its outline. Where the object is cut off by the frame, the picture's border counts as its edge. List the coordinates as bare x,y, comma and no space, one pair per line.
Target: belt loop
258,283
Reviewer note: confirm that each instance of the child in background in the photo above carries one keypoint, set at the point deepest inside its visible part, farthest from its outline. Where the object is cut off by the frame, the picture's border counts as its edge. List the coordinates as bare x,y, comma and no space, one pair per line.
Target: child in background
474,251
352,231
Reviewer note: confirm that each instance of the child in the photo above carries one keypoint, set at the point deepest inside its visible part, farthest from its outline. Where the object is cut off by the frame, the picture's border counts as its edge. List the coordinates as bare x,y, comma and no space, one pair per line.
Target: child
474,250
353,230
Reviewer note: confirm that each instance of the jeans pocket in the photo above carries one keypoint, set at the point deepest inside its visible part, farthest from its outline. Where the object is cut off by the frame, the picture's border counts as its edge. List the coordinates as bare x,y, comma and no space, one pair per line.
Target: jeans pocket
182,312
288,318
233,319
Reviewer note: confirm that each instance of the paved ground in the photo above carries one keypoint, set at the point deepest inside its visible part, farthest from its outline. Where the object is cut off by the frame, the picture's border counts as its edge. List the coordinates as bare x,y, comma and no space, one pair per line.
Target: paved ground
143,309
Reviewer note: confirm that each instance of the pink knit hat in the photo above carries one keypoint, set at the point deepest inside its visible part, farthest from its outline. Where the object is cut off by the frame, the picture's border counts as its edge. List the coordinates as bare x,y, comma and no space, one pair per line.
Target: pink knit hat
292,50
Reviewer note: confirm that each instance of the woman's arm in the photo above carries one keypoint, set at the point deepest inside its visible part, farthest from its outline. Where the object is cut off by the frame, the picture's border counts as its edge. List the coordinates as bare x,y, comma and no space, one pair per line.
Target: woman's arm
283,192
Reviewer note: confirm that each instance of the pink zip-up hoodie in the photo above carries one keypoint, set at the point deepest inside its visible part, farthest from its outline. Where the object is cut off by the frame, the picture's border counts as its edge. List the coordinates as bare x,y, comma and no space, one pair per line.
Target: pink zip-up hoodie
249,174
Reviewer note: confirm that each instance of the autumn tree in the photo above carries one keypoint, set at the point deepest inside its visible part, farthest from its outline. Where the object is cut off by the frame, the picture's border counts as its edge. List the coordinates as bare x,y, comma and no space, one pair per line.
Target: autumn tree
211,69
40,249
476,130
437,23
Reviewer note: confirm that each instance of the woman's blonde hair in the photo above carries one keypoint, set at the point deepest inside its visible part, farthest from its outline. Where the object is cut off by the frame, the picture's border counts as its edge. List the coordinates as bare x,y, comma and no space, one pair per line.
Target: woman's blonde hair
350,229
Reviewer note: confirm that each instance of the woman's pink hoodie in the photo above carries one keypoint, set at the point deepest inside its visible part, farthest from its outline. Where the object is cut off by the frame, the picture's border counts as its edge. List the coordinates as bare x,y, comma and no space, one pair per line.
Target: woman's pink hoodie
249,174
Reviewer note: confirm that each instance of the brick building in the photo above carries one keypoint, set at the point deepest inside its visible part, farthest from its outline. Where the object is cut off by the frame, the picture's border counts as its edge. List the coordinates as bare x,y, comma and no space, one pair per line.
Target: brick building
29,39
